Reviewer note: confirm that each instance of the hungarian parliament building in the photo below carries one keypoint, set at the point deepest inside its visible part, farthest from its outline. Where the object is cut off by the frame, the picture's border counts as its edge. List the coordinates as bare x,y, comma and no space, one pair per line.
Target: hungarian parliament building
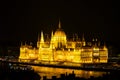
59,49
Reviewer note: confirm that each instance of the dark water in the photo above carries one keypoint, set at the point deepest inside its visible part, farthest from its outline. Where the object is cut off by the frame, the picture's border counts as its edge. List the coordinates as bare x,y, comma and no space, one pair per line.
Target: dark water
49,72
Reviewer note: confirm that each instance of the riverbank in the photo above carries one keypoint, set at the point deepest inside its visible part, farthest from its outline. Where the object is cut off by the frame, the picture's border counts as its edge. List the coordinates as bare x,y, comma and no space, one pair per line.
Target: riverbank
6,73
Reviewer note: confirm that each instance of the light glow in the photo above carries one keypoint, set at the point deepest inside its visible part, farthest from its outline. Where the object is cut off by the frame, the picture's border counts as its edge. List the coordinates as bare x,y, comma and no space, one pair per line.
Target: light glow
60,49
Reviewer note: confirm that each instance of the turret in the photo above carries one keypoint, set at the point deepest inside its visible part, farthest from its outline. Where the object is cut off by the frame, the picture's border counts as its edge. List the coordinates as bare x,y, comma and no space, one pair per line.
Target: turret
52,40
42,39
95,42
104,47
83,40
51,35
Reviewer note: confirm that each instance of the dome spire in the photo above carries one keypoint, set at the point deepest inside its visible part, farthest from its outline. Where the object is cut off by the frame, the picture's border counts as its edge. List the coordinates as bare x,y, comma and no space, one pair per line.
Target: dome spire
59,25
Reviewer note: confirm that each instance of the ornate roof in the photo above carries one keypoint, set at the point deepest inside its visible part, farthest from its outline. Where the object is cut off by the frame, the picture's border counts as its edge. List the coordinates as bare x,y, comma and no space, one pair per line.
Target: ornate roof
59,33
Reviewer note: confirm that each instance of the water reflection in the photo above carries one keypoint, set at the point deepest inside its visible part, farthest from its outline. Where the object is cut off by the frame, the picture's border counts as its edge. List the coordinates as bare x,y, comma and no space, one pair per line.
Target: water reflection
49,72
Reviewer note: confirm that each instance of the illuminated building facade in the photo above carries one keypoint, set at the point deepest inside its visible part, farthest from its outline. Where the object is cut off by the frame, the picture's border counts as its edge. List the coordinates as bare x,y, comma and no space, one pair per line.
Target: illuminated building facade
59,49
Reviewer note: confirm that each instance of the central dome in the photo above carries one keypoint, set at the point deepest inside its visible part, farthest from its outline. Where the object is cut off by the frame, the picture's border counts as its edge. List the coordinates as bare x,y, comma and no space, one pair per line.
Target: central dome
59,33
59,37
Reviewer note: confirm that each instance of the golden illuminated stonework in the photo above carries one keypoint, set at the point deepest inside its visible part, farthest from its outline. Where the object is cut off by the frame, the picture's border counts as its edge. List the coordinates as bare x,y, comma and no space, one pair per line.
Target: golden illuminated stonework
60,49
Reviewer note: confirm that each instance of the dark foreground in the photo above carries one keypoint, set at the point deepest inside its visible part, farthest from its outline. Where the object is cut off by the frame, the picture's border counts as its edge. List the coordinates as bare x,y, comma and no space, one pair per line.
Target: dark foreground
16,74
19,76
33,76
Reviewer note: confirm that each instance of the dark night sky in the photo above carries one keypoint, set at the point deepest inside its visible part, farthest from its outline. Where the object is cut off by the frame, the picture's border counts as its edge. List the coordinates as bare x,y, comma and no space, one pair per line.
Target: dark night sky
21,20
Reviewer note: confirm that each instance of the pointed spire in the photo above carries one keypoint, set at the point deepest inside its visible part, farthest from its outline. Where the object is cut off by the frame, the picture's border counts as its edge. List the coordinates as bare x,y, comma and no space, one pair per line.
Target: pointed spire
51,43
59,25
42,37
104,47
52,39
83,38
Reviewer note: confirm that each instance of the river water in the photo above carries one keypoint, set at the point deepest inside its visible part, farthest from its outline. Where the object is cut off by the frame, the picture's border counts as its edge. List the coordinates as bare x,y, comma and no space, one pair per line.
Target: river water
49,72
